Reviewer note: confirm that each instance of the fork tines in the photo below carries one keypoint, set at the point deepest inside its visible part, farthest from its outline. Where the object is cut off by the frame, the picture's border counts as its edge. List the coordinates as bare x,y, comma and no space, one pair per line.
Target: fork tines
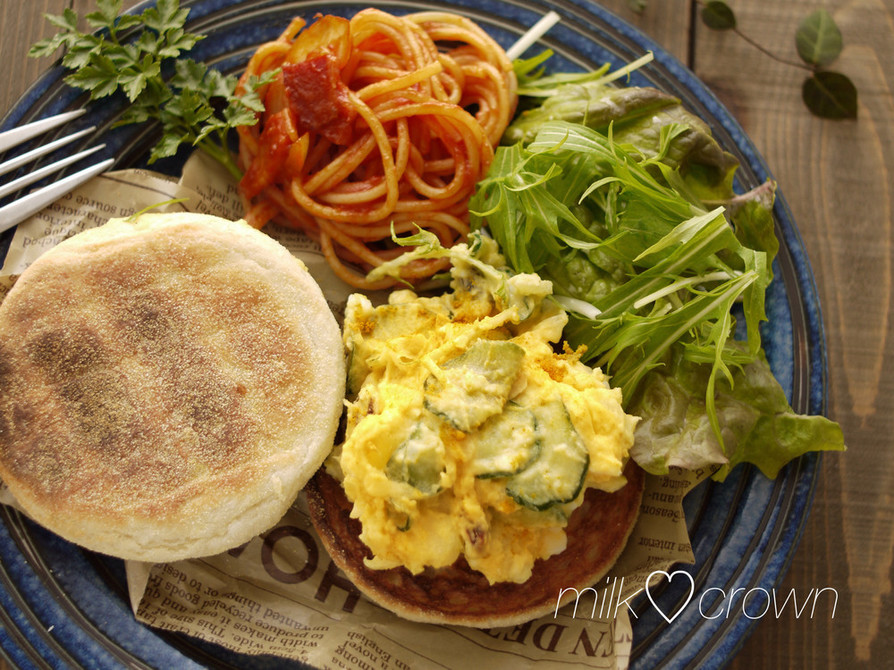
25,206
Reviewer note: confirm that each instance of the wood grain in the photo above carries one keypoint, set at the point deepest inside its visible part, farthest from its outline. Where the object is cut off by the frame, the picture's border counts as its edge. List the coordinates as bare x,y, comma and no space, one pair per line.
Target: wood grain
668,22
837,179
23,24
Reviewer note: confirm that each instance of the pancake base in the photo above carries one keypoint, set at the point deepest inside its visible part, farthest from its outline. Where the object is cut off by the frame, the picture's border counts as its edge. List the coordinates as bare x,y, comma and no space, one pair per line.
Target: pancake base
597,534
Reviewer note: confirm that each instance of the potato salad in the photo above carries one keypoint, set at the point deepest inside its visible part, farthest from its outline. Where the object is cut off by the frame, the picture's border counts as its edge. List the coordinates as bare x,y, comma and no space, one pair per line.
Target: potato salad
470,431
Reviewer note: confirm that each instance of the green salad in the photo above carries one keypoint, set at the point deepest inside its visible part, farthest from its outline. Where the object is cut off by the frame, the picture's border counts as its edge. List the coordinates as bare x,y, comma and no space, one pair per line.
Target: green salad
625,202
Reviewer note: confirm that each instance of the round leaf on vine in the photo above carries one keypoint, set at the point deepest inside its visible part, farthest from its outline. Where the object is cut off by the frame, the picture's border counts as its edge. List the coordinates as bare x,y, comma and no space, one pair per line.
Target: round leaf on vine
718,15
818,39
830,95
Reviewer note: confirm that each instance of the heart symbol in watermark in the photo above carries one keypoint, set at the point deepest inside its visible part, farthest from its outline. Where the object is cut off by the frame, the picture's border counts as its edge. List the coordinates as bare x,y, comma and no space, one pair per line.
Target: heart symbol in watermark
669,577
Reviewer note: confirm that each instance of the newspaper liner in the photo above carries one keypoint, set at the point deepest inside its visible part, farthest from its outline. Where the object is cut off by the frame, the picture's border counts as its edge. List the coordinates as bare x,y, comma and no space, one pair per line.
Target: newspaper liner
280,594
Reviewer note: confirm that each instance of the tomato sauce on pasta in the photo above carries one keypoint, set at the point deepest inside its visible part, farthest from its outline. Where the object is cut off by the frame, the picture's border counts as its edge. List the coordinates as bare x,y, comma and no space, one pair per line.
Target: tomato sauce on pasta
373,124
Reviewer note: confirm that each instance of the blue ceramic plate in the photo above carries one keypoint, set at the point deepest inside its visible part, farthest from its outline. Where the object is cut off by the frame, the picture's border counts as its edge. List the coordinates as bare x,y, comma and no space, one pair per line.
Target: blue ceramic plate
63,607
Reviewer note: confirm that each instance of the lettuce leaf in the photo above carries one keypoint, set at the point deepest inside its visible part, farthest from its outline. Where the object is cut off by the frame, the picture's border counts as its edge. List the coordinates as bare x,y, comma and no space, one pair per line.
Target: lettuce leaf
757,424
649,121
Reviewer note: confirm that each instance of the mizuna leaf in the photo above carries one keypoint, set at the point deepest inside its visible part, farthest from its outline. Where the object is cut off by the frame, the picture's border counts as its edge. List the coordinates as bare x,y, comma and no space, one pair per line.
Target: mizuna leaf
651,338
576,196
653,277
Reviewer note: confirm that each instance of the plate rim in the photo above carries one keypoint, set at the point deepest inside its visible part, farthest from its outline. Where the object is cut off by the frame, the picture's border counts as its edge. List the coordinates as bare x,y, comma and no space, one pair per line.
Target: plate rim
803,474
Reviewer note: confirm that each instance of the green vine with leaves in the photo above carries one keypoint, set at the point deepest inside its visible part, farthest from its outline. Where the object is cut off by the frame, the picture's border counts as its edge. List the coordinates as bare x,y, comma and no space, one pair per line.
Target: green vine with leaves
826,93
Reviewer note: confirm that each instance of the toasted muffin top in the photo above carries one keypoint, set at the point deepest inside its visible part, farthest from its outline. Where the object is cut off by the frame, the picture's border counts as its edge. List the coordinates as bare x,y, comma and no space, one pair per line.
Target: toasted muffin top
167,385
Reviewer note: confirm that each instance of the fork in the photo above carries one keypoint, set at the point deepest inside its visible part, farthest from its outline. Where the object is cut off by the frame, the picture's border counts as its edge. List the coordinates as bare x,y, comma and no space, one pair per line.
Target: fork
21,208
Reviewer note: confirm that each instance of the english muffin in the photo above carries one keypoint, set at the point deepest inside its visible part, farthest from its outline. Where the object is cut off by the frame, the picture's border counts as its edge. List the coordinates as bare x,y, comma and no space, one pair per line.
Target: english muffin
167,386
484,466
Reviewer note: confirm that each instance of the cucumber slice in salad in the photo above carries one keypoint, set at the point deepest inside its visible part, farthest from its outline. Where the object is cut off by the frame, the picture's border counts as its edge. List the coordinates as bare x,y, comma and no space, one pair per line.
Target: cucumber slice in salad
475,385
557,475
419,460
504,444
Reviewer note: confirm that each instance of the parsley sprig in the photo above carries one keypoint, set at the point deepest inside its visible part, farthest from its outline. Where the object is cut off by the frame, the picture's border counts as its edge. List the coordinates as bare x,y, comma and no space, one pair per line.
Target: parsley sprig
139,56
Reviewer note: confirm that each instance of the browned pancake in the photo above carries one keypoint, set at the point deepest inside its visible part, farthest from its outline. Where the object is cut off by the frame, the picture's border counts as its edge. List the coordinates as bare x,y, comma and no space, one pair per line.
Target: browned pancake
166,386
597,533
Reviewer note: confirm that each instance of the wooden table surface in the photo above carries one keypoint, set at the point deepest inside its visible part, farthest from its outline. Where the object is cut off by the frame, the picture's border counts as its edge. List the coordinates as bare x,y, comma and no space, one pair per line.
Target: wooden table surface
838,178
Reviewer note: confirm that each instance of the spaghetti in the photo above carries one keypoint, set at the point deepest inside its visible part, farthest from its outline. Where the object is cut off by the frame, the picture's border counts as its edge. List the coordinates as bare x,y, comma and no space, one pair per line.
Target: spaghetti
370,127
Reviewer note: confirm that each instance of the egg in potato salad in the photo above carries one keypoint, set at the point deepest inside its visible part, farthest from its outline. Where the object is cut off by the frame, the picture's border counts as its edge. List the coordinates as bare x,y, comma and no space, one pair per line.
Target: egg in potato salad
468,433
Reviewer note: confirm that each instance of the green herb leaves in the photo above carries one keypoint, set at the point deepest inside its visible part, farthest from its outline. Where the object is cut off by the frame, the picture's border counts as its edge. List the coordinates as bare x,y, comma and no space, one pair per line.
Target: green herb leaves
101,63
654,281
660,270
131,54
